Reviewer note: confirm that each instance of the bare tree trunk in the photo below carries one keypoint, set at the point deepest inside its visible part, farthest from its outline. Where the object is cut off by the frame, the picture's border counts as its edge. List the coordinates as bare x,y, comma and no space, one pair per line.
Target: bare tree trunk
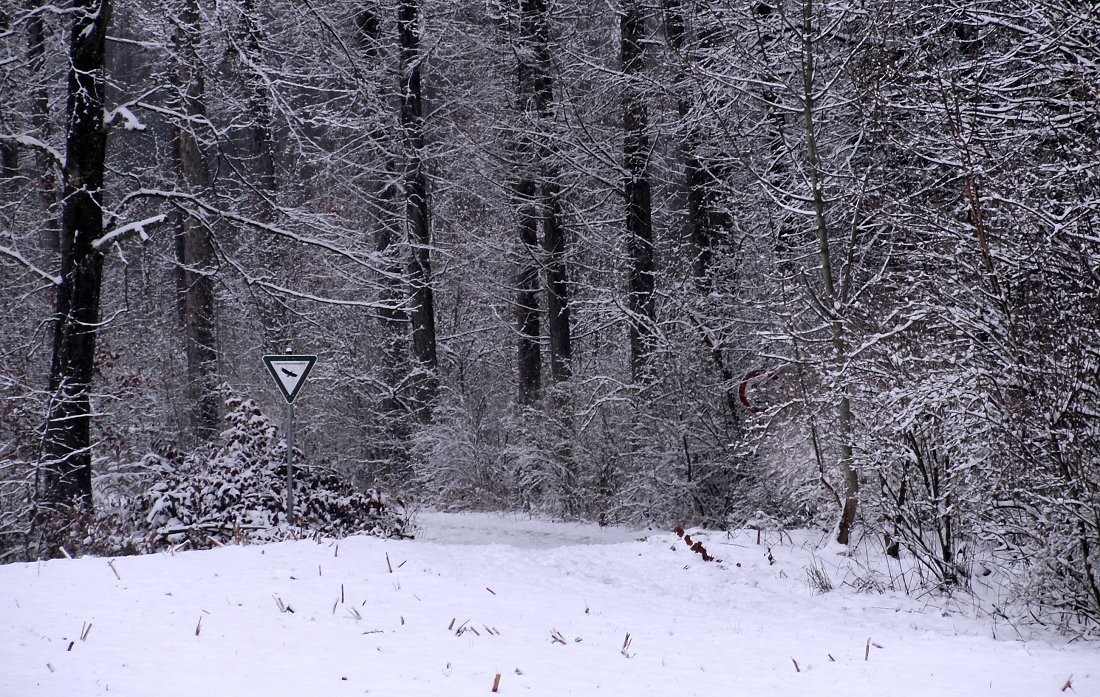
260,139
534,92
273,311
9,153
40,110
702,180
698,222
66,466
528,352
537,91
393,314
194,250
639,219
417,223
830,297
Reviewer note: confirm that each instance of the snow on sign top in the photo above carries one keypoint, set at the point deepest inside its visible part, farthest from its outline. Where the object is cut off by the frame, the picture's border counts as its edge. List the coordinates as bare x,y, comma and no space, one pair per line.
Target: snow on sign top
290,373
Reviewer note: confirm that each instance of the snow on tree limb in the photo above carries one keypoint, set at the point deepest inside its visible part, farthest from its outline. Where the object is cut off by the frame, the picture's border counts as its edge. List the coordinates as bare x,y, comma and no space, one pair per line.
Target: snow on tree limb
135,228
14,254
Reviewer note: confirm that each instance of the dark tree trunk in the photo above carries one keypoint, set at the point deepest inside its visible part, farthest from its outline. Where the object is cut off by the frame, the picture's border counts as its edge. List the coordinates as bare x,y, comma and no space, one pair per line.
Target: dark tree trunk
9,153
639,220
393,314
705,222
417,223
557,284
67,458
260,140
699,176
529,353
40,113
194,249
537,93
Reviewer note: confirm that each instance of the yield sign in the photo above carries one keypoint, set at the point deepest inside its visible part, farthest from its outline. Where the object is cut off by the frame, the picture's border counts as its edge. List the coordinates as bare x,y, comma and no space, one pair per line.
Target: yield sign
290,373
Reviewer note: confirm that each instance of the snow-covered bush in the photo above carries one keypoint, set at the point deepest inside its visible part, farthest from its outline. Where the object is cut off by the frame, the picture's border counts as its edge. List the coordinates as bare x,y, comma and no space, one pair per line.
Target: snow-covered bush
234,490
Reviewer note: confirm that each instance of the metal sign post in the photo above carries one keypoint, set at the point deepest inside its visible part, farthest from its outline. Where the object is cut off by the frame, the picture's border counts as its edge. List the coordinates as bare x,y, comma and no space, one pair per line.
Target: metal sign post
290,374
290,463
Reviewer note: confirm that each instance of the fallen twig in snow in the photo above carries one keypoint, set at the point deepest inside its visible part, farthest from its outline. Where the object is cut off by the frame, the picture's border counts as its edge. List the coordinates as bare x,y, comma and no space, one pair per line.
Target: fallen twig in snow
867,650
496,682
111,563
796,668
283,607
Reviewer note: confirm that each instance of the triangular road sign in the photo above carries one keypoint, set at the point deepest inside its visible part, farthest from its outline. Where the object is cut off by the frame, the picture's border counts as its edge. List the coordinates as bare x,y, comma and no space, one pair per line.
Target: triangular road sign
290,373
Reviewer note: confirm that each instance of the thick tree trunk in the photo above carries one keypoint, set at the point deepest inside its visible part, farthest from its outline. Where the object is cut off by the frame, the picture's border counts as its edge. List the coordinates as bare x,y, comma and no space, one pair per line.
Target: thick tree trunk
639,220
67,458
417,223
194,249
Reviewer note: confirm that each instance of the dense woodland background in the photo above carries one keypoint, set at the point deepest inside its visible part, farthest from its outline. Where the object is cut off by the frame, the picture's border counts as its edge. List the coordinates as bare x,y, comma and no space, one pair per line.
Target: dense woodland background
796,262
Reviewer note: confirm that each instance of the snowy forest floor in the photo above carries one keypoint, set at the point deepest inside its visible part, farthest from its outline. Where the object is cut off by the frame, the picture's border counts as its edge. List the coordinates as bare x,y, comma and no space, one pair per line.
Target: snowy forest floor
552,608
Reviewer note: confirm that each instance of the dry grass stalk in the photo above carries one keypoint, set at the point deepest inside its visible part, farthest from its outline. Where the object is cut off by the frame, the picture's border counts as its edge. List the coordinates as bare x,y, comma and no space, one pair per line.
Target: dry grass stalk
283,607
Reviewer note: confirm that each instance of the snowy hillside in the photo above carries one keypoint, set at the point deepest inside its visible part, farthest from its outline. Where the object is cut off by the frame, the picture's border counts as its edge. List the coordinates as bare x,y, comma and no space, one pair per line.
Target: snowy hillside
552,609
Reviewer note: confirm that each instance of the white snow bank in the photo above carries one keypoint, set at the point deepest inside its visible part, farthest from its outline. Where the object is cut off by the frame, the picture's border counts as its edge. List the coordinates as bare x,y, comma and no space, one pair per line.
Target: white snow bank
542,605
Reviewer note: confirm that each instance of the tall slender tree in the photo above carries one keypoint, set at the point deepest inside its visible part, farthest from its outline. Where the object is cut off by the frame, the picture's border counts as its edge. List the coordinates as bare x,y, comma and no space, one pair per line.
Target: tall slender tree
537,84
417,222
194,248
641,303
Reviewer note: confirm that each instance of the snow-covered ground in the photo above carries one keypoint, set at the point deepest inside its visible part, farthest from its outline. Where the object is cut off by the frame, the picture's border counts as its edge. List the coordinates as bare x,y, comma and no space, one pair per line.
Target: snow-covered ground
553,609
